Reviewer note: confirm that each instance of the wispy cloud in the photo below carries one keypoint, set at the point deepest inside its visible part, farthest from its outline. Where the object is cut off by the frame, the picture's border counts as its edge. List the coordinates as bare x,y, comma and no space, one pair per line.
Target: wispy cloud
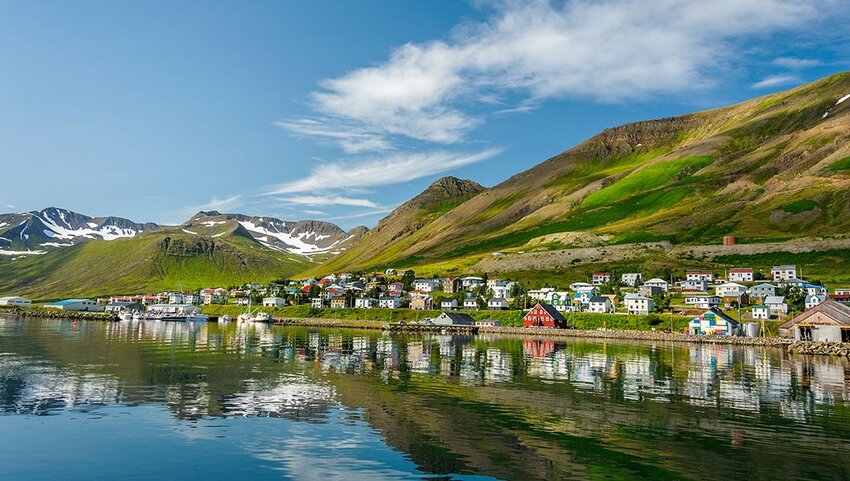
776,80
385,170
315,212
327,200
609,50
10,206
362,214
795,63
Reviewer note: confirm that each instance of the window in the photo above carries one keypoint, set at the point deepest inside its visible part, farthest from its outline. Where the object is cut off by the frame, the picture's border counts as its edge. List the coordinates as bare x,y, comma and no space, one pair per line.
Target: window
845,335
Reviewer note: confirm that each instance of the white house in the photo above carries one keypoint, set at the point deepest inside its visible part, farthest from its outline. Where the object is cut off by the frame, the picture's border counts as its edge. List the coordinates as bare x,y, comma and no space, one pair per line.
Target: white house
365,302
389,302
214,298
582,286
761,312
470,304
449,304
703,301
741,274
426,285
318,302
454,319
496,283
815,290
638,304
813,300
600,278
698,275
659,283
777,305
76,305
730,289
497,304
783,273
693,285
273,301
631,279
540,294
601,305
14,301
471,282
501,291
763,291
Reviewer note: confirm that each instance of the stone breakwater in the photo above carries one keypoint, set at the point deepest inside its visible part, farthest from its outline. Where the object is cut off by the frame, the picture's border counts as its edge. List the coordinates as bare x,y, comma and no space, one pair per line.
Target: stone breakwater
635,336
841,349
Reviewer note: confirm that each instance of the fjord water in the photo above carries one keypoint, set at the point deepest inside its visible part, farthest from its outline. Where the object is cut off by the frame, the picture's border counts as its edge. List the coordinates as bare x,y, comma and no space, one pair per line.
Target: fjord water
155,400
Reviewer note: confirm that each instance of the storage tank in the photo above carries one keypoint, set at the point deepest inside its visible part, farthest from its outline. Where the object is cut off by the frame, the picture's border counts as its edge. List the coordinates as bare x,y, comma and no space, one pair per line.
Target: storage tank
751,329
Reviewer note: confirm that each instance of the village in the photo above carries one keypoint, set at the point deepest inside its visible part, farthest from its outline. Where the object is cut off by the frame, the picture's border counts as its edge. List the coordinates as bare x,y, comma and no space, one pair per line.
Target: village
735,303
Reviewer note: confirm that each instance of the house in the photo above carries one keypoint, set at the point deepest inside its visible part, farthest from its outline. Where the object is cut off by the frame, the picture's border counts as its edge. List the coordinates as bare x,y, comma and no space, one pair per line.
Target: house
630,279
582,299
600,278
426,285
318,302
562,301
75,305
650,291
638,304
730,289
813,300
540,294
452,285
741,274
396,288
339,302
448,304
175,298
660,283
14,301
496,283
497,304
471,282
714,322
470,304
600,305
583,286
814,289
842,291
783,273
389,302
213,298
829,321
389,272
703,301
693,286
794,282
777,305
845,298
761,312
454,319
422,303
763,291
243,301
544,315
365,302
274,301
501,291
736,299
699,275
191,299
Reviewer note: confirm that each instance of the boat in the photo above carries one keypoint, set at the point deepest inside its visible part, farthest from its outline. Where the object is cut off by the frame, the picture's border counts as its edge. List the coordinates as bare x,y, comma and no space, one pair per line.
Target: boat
125,315
176,313
224,319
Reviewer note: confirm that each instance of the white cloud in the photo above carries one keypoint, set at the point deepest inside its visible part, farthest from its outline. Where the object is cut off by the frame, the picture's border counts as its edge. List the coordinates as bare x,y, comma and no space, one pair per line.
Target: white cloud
10,206
795,63
776,80
362,214
326,200
608,50
390,169
314,212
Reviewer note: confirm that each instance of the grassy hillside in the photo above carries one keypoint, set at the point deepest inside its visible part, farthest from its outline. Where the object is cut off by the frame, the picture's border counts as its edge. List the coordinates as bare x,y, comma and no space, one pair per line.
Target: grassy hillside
149,263
772,168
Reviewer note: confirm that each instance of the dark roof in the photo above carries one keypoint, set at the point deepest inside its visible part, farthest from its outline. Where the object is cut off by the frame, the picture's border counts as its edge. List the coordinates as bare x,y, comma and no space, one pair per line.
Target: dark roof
459,317
599,299
834,310
723,316
550,309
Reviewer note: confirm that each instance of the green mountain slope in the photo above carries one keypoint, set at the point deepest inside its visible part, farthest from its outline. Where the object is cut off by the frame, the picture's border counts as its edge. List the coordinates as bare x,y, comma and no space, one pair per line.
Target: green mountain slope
152,262
772,168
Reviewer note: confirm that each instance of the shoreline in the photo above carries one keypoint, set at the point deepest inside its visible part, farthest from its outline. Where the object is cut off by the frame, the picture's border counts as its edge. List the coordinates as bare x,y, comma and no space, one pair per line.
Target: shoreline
788,345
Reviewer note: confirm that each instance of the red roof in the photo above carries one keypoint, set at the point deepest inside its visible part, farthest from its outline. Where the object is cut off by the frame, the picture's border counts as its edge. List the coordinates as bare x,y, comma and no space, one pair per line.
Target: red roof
601,273
697,271
741,269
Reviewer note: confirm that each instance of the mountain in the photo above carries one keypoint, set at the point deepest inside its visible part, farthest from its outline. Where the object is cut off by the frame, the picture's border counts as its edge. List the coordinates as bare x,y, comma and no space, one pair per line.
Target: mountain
772,168
55,227
57,253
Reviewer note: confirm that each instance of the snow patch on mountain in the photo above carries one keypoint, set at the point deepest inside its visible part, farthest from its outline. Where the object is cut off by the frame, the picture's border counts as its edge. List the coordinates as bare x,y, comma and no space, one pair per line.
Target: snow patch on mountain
294,244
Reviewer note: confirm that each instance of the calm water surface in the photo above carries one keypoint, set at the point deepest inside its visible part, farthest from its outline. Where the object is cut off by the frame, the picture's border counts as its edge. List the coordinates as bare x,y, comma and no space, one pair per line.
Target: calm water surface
173,401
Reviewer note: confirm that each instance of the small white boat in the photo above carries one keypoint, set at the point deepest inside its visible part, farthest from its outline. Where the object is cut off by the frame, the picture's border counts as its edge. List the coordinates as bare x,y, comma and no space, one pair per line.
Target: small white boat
261,317
224,319
125,315
138,316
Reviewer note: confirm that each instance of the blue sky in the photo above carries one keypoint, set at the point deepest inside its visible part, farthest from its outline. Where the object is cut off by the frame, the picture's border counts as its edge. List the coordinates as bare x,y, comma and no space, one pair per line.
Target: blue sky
342,110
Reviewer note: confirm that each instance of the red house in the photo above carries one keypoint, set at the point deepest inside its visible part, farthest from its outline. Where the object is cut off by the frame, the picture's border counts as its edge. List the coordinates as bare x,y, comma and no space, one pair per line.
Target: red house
544,315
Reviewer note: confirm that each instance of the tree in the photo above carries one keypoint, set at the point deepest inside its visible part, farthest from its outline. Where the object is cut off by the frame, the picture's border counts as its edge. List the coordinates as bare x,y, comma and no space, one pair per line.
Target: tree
662,303
407,279
794,297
